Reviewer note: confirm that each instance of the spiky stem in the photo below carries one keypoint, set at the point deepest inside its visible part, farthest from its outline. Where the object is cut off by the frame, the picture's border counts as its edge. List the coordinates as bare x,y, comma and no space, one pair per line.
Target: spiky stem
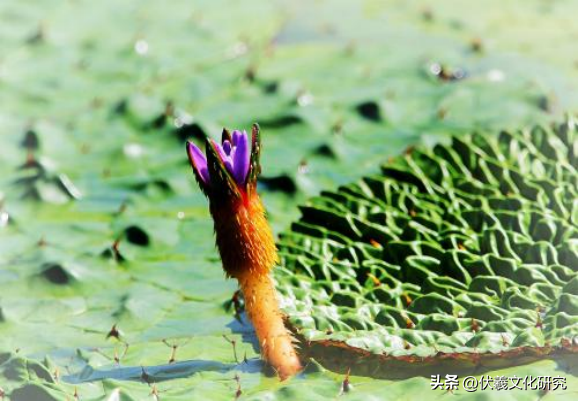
262,308
248,252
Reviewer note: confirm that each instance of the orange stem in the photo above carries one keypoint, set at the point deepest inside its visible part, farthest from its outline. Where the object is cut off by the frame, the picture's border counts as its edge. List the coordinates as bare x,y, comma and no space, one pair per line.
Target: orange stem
263,309
248,252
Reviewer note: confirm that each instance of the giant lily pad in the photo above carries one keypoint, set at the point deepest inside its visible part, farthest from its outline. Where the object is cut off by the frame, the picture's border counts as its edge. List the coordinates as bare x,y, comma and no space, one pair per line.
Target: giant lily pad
464,252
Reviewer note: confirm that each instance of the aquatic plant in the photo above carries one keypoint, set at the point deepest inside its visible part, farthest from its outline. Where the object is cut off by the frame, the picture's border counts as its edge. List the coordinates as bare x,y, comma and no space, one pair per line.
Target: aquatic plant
228,177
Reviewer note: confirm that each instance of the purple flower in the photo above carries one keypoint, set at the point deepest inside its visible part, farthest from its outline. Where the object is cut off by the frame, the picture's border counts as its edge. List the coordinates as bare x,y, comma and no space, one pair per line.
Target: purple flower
228,164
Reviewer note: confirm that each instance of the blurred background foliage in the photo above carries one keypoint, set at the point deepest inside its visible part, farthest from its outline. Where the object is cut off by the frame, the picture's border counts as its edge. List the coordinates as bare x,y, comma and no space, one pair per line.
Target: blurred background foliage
110,283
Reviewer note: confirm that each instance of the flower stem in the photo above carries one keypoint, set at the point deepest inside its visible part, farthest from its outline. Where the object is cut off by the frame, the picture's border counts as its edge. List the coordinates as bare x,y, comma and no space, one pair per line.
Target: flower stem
263,309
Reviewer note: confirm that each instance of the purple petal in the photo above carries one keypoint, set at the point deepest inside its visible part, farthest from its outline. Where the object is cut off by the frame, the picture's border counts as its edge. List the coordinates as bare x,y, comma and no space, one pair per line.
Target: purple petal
236,136
227,147
198,161
241,158
227,161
